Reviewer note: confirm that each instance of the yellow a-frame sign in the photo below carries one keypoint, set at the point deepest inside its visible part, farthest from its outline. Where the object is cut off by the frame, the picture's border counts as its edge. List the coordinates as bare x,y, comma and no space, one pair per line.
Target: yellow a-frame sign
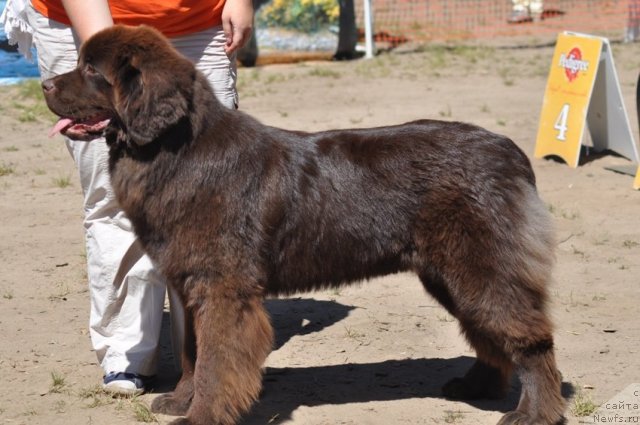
636,182
583,89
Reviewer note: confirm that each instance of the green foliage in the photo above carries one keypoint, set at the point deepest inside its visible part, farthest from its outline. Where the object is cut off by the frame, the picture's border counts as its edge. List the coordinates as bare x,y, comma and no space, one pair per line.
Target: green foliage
583,405
303,15
31,89
27,102
62,181
58,382
6,169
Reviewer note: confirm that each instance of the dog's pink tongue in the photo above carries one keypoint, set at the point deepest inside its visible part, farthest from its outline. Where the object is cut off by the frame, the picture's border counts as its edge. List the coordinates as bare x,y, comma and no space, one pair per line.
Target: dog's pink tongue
59,126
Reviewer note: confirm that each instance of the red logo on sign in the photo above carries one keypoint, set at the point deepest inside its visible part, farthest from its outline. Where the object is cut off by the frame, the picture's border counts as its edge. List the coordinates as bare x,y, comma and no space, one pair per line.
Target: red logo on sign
572,72
573,63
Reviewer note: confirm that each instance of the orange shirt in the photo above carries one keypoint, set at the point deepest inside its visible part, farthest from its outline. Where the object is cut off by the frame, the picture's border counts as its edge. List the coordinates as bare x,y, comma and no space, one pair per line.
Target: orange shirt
171,17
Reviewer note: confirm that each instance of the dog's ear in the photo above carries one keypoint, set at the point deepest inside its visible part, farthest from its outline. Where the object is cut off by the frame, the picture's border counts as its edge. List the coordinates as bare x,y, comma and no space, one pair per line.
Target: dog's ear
150,99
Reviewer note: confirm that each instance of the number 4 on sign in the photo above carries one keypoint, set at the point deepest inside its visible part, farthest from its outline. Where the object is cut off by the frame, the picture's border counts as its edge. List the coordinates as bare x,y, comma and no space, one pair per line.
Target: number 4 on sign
561,123
582,90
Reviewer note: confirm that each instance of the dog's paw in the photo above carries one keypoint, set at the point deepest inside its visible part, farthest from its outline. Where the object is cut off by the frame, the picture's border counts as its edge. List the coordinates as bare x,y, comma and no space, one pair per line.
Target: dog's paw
168,404
516,418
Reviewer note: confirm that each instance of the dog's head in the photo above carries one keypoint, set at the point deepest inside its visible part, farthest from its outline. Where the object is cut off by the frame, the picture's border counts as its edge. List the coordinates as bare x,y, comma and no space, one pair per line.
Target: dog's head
130,78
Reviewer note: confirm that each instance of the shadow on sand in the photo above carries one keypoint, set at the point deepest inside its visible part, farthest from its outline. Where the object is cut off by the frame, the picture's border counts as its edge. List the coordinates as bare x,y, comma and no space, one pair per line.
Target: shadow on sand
286,389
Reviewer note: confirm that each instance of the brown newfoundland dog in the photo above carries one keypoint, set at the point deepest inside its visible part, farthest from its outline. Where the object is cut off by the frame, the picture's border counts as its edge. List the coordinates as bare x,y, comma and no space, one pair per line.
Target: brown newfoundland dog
232,210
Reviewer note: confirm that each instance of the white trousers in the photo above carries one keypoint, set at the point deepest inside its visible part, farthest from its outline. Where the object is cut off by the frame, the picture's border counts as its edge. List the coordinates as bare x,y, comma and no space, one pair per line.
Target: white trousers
127,293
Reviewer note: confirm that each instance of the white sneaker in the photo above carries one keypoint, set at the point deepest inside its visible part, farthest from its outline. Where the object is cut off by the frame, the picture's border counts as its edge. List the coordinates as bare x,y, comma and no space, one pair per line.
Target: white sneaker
123,383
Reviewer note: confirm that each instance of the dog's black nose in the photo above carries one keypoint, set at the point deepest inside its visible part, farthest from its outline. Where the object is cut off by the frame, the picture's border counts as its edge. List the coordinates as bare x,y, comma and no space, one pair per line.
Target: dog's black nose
47,85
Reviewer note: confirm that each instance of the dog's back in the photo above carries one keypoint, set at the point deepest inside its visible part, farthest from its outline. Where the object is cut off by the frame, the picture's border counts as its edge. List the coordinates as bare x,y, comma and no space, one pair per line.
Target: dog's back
355,200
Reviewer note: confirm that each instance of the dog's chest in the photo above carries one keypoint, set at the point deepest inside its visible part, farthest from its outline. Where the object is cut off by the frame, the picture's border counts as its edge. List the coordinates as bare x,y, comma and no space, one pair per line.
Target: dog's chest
133,184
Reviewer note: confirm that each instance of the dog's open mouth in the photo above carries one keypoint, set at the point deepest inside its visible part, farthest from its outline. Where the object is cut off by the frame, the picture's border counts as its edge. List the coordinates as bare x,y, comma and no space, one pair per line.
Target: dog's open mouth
87,128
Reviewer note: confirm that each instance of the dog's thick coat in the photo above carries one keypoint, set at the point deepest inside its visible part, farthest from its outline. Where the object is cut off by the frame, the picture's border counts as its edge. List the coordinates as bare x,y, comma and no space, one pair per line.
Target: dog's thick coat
232,210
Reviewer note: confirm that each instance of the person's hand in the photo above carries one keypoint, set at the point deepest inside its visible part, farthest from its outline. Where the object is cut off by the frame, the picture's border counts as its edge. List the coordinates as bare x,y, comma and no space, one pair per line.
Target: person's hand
237,22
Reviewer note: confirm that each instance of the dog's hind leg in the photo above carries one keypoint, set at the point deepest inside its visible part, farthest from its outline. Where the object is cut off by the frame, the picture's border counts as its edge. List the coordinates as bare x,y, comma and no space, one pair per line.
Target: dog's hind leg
521,324
496,266
541,401
233,338
490,375
524,336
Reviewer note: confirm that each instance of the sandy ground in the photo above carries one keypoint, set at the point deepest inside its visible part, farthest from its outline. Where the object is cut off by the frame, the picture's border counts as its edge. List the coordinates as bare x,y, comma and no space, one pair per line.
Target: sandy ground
371,354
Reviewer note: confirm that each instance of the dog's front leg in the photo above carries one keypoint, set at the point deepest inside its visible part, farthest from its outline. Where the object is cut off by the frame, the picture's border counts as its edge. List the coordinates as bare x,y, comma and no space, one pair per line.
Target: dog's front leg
233,339
177,403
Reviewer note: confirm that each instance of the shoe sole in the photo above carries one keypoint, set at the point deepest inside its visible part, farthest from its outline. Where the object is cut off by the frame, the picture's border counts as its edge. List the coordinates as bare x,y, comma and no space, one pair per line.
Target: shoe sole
121,388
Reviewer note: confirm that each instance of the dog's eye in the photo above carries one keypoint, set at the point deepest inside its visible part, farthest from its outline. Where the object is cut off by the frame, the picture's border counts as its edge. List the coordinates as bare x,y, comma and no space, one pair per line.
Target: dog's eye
89,69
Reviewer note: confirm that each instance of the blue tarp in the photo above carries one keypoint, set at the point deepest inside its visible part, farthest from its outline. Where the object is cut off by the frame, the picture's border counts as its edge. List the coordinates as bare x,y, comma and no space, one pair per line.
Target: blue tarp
13,66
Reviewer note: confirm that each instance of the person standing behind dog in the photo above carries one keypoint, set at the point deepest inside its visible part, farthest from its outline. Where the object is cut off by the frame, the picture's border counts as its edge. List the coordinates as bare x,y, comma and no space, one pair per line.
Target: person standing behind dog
127,294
